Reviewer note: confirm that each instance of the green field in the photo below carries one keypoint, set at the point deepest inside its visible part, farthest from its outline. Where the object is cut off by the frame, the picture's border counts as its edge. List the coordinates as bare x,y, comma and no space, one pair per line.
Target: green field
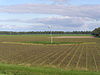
48,42
6,69
46,59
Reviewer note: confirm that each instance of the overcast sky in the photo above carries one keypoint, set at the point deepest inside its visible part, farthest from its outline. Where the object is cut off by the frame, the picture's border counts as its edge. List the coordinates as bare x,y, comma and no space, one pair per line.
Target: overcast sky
38,15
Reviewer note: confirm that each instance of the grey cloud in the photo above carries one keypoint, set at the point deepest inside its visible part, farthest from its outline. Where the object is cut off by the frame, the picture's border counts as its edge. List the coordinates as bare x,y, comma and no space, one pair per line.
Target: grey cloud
64,21
7,26
91,11
60,1
21,27
72,16
59,23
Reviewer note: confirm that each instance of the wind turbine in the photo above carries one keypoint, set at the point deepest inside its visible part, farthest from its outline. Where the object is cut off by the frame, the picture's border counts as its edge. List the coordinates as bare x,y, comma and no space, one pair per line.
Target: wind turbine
10,33
51,37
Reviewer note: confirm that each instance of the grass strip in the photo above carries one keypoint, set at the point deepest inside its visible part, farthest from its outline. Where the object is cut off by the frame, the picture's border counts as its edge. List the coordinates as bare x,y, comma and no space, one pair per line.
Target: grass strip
8,69
48,42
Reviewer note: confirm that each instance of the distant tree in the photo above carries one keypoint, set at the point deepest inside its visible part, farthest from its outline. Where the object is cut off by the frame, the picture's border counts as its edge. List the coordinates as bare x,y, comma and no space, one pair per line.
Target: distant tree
96,32
43,32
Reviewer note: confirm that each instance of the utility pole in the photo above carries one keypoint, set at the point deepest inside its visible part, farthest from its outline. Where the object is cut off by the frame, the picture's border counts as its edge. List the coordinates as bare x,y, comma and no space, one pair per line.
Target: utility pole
51,37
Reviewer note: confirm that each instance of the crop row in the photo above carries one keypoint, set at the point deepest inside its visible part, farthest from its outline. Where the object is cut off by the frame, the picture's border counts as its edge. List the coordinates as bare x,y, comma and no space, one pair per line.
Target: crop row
84,57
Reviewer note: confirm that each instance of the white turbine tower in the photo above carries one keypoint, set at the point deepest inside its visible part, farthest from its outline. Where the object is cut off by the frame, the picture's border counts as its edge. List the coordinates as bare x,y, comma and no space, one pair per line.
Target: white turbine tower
51,37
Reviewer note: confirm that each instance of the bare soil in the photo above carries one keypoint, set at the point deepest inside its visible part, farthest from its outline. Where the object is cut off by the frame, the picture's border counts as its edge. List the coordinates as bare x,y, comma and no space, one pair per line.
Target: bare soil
74,37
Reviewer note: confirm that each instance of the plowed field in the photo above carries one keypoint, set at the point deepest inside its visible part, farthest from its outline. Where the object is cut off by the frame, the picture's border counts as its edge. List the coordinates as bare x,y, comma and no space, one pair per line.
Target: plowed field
77,57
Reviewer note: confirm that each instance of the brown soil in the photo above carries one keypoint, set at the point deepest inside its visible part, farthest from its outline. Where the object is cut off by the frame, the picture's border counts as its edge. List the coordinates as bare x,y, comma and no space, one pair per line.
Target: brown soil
74,37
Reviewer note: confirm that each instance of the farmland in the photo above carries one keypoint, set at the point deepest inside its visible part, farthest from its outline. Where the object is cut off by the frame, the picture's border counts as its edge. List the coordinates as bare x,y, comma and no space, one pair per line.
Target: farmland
80,57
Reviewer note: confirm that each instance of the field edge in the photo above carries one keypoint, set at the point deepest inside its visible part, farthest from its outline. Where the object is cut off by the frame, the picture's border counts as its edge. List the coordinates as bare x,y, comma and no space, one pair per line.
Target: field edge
10,69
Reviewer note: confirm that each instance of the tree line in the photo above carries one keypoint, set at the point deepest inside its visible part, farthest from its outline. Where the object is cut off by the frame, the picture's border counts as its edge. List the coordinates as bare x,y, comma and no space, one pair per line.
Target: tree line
43,32
96,32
